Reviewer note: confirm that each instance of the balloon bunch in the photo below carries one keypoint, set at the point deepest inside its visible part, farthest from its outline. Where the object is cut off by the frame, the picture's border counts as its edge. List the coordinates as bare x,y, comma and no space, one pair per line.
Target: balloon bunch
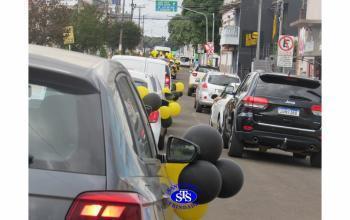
212,176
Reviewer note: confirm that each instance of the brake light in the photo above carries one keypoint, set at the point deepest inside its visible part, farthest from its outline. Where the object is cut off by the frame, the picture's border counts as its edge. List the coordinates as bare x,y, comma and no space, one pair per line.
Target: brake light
316,110
194,73
153,117
204,86
167,81
255,102
106,205
247,127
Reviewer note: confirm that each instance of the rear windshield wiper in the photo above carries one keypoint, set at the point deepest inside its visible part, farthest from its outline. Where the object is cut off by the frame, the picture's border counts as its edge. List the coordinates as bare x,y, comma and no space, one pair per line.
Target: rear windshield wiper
299,97
314,93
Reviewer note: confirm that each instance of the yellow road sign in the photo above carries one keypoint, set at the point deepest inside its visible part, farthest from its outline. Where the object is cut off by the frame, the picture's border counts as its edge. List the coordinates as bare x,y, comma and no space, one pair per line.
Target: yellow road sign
68,35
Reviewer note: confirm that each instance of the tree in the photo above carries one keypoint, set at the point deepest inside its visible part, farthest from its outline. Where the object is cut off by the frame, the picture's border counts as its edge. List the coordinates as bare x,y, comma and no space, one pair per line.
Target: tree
131,35
47,20
89,29
189,27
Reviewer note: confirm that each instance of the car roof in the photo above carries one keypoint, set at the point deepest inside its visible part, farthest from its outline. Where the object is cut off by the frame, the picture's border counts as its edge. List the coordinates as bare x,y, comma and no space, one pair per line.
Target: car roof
136,58
138,75
90,68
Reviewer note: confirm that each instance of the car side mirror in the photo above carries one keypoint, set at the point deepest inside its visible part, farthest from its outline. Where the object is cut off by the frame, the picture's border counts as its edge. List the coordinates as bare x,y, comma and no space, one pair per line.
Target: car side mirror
214,96
181,151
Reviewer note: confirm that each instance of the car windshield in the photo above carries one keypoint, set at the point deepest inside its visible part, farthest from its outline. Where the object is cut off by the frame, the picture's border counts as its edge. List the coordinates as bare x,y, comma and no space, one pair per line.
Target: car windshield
65,130
184,59
280,89
222,80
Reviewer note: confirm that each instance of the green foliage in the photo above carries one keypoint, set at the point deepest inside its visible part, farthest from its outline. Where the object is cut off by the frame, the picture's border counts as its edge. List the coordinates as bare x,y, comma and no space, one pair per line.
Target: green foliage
88,29
92,30
47,21
190,27
151,42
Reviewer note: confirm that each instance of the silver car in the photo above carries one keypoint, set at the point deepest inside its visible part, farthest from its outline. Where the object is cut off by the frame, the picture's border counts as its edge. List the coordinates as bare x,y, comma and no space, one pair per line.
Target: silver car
212,83
92,154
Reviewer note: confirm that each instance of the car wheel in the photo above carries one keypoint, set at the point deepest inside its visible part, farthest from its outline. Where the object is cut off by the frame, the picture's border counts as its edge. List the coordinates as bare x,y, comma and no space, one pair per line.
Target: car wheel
189,92
223,134
198,107
299,156
316,159
235,146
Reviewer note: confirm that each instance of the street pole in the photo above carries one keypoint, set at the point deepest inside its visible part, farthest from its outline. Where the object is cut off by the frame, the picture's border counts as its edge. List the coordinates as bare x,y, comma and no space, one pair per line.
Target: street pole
212,38
281,17
257,51
121,30
281,21
133,6
206,20
143,34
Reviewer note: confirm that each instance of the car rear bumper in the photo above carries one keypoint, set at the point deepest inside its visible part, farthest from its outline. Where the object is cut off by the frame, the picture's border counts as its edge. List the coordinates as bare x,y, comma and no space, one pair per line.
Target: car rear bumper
206,102
285,142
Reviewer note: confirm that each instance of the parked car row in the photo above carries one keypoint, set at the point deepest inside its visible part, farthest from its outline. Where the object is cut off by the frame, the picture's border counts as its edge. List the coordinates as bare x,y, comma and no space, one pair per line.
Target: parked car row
271,110
92,154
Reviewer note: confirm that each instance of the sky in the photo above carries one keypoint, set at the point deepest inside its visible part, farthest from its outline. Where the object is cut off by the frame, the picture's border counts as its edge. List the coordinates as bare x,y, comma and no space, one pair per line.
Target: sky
153,28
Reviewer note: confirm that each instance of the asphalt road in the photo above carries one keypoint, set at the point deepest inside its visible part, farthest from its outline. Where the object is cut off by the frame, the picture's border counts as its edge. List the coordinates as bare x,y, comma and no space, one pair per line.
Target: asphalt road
276,186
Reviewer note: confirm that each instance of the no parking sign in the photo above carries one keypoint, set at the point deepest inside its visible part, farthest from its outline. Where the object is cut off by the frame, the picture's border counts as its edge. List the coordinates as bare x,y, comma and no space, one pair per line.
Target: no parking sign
285,51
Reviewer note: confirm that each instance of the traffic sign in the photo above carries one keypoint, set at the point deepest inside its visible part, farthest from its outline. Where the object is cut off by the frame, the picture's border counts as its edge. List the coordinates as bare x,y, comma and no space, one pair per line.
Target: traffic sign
166,5
68,35
285,51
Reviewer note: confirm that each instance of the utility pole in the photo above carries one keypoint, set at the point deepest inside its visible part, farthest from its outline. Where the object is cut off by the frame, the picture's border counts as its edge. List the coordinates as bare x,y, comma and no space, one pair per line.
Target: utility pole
281,17
133,6
212,37
257,51
121,30
143,34
281,21
139,7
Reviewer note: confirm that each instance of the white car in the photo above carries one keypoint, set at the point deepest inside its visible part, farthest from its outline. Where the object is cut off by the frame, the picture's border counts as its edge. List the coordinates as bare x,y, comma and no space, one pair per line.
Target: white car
153,85
219,105
196,75
156,67
185,61
212,83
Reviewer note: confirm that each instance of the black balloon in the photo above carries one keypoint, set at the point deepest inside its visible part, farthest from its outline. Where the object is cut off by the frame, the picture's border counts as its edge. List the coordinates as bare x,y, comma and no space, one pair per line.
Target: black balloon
232,178
204,177
153,100
166,123
208,139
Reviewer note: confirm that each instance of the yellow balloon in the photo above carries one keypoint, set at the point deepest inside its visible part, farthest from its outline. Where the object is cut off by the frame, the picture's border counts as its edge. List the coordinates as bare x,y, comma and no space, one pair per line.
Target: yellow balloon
195,213
179,87
143,91
175,109
164,112
166,90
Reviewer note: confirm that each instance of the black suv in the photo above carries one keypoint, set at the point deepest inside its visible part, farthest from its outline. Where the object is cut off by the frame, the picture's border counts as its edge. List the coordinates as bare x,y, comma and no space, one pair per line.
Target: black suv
272,110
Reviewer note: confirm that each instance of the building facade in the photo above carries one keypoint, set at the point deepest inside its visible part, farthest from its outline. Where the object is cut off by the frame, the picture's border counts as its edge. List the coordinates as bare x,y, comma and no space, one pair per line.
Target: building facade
309,51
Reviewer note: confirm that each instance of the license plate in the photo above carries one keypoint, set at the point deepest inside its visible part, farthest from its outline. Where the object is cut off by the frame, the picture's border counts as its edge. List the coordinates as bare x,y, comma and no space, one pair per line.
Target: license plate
288,111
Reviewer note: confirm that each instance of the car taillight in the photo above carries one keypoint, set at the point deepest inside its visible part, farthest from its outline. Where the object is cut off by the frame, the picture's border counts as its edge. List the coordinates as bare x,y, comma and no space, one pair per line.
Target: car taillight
106,205
167,81
247,127
316,110
194,73
204,86
153,117
255,102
